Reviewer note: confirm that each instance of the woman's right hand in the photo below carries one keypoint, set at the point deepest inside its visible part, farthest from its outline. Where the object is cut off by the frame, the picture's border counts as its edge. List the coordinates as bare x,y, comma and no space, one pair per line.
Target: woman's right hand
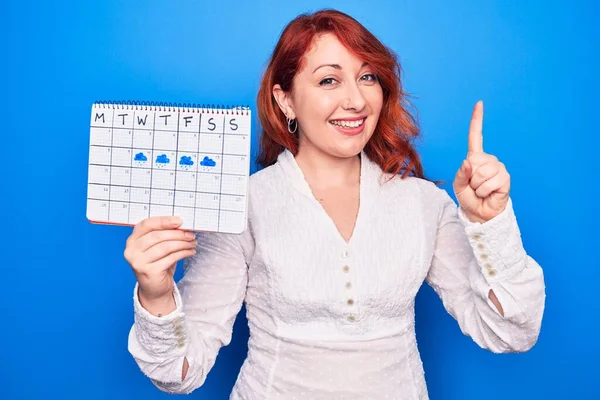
153,250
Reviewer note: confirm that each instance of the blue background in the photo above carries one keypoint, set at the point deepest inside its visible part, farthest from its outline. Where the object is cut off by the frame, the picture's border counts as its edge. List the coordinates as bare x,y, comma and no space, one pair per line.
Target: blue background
66,296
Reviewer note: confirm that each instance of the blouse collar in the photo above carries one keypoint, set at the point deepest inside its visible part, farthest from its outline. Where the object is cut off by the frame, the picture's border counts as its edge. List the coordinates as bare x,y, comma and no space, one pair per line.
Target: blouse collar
370,174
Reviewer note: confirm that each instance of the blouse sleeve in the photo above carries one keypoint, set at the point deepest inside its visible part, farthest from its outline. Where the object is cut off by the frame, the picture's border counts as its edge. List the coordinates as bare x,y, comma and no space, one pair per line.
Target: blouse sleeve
470,259
208,298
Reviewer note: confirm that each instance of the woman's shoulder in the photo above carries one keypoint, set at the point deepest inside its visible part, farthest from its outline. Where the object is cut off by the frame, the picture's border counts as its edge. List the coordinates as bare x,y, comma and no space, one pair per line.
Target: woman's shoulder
268,183
265,177
413,187
410,184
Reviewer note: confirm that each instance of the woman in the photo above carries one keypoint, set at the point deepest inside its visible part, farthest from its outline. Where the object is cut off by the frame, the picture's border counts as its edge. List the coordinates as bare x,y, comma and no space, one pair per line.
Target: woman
343,229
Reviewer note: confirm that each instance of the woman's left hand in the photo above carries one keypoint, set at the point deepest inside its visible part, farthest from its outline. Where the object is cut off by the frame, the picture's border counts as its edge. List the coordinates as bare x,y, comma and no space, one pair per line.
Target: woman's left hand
482,184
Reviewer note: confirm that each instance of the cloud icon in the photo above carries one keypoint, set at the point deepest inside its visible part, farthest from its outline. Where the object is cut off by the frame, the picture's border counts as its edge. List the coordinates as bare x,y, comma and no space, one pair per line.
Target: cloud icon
163,159
140,157
186,160
208,162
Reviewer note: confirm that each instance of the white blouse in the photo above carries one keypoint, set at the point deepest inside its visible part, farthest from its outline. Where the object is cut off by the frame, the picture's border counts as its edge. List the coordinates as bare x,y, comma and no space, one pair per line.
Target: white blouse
335,320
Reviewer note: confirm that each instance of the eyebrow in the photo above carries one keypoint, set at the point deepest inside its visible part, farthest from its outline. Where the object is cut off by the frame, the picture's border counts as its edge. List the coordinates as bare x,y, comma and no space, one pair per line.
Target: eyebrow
336,66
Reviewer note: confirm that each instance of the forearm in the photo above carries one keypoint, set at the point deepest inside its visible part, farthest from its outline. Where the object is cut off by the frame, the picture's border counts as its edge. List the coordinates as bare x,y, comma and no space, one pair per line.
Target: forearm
500,273
158,307
161,344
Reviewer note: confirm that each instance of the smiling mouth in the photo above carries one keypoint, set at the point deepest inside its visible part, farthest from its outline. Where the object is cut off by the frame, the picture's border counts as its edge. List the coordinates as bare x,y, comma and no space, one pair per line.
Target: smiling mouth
347,124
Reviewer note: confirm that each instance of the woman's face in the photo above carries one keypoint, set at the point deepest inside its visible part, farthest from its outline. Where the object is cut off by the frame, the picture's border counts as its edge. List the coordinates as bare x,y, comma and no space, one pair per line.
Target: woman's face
336,99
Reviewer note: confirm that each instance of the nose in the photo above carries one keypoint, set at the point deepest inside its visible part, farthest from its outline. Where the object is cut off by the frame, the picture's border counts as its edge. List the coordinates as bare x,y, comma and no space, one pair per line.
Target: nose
354,99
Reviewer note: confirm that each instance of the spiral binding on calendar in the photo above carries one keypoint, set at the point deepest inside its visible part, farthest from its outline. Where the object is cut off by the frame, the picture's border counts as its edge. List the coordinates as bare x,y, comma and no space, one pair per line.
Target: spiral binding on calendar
171,107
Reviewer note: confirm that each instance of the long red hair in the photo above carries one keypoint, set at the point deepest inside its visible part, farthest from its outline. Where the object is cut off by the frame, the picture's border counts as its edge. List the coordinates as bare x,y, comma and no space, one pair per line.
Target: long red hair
390,146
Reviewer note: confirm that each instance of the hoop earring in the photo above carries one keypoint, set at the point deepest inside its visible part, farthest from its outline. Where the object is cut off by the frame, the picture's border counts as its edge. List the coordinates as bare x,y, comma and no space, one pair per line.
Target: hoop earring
291,122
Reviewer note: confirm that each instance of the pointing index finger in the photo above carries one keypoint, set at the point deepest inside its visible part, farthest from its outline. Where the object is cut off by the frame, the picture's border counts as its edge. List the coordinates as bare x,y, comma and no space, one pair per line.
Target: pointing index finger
476,129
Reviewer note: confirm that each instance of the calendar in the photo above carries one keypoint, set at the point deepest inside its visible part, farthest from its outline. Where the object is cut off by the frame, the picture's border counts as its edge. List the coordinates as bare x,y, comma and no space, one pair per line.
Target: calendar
149,160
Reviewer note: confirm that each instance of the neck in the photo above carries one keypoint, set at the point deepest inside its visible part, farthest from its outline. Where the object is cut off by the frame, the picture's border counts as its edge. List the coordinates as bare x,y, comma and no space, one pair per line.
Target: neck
324,170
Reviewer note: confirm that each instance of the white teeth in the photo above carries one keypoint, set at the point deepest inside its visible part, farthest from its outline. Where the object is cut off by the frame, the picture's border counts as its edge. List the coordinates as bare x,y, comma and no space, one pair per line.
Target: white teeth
349,124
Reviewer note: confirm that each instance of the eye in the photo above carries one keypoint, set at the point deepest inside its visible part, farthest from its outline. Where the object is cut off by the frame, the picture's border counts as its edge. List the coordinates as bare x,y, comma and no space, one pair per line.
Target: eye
327,82
369,78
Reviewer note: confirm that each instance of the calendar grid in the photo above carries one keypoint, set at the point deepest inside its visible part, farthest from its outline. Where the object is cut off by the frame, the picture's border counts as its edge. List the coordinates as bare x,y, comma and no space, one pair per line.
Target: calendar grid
195,167
176,160
152,165
190,207
207,152
130,169
205,172
180,190
221,180
110,169
197,161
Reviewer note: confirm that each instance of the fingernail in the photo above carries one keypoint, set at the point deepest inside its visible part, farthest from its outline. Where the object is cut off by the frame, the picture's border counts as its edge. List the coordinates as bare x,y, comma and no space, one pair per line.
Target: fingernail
176,221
